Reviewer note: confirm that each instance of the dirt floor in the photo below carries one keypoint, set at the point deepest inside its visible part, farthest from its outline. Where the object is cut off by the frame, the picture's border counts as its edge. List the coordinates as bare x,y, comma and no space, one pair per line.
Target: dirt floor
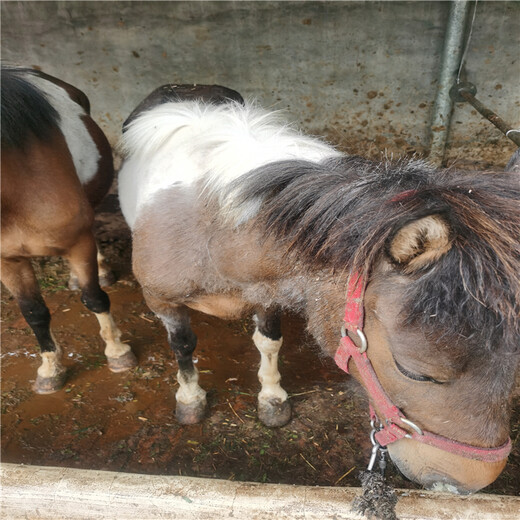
125,422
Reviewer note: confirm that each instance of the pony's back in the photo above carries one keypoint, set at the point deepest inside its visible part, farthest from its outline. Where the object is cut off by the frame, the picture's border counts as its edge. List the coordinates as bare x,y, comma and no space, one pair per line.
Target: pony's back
181,143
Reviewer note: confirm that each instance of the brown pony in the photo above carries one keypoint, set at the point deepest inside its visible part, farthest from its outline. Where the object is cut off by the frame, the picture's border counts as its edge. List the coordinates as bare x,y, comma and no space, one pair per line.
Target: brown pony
234,212
56,165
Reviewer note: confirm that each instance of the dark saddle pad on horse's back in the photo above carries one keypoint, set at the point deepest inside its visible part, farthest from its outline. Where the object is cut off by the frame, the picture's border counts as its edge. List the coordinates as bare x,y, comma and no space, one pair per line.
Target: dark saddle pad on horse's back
207,93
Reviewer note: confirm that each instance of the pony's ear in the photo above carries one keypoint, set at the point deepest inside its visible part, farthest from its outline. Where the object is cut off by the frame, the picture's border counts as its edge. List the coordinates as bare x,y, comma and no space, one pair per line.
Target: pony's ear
420,243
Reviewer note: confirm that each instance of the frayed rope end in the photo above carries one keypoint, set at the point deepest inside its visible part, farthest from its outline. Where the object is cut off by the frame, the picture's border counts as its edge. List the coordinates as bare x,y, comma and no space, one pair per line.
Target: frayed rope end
378,499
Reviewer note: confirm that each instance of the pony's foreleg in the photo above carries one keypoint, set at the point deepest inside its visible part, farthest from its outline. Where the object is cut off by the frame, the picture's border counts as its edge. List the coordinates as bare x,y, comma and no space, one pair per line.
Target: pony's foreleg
191,398
105,274
273,407
18,276
83,261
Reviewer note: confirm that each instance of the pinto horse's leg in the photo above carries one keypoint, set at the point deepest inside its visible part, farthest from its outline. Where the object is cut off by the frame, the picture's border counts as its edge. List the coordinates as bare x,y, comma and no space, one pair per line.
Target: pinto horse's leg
273,407
83,261
18,276
191,398
106,275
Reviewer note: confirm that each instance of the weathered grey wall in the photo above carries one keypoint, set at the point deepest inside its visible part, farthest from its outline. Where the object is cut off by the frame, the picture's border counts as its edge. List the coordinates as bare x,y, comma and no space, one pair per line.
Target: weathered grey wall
362,73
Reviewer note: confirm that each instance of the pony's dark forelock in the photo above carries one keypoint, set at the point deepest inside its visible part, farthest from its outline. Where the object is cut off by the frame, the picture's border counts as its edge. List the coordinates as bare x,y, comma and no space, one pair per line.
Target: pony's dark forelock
343,213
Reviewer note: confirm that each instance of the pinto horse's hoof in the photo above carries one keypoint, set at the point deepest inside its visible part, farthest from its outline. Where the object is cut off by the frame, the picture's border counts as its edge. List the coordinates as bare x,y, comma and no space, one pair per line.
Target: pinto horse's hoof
191,413
49,385
122,363
274,412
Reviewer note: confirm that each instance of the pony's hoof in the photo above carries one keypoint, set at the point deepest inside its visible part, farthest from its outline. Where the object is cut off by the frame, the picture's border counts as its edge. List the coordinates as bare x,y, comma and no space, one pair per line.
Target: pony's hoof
190,413
107,279
49,385
122,363
274,412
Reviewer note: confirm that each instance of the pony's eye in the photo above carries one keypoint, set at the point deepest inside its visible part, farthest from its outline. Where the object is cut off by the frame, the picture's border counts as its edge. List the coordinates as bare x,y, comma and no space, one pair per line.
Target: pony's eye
416,377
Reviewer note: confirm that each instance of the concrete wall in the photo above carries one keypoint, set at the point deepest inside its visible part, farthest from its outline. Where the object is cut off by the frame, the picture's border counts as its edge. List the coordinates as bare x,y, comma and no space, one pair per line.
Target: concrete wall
362,73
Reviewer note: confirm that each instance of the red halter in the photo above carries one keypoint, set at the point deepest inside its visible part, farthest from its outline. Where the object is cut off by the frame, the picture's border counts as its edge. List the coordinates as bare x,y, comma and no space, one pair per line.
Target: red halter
394,423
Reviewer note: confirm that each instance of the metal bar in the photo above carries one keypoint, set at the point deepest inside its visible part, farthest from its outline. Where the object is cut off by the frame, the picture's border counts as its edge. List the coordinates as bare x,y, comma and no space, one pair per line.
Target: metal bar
490,116
451,58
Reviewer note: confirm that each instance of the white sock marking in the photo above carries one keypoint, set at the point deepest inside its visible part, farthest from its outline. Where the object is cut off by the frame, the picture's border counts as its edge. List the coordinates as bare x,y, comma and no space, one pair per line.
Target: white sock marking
268,373
111,336
51,363
189,391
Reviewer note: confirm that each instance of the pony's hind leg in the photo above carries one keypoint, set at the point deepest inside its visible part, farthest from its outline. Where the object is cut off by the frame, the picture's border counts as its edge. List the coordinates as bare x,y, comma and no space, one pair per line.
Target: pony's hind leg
18,276
105,274
273,407
83,261
190,397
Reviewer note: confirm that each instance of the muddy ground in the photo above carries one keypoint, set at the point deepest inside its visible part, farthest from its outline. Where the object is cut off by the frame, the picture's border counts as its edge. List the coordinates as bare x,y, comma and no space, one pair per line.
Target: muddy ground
125,422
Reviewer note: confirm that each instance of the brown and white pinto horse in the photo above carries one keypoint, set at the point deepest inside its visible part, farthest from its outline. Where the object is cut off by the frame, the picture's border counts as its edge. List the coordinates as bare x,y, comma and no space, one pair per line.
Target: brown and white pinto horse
234,212
56,165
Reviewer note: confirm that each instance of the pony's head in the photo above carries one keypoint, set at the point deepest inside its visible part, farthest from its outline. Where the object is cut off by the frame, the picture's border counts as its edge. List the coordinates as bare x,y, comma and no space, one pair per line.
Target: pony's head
439,252
441,323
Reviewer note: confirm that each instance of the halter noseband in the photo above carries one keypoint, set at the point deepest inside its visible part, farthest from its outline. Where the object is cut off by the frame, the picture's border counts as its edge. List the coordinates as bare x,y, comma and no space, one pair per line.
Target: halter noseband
394,424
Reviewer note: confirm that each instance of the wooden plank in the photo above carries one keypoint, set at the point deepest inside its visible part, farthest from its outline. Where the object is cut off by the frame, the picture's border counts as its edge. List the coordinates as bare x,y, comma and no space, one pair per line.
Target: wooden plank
35,492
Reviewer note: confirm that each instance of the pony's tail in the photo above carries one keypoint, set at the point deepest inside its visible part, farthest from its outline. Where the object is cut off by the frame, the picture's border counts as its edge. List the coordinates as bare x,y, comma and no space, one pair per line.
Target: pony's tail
26,111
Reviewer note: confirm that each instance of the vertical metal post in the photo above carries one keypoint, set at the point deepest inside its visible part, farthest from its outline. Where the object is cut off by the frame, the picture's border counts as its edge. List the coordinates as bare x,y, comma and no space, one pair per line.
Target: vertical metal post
451,58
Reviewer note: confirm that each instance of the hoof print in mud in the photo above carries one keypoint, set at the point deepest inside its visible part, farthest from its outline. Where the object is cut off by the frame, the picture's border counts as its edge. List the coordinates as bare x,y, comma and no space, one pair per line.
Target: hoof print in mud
274,412
190,413
49,385
123,363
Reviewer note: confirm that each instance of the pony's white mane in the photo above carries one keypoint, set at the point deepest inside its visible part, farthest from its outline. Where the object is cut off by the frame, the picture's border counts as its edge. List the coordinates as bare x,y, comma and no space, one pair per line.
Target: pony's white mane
182,143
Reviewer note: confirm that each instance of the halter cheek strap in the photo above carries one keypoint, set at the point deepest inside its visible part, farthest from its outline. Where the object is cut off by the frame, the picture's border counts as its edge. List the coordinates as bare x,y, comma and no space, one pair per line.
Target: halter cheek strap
395,425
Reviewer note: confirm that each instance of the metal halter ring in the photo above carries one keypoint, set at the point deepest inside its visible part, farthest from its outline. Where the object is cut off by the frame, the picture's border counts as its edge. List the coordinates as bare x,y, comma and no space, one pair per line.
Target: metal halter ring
362,337
412,425
364,342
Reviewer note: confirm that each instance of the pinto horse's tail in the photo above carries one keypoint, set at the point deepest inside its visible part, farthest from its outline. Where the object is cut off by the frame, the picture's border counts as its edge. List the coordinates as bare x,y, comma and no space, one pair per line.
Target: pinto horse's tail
214,94
25,109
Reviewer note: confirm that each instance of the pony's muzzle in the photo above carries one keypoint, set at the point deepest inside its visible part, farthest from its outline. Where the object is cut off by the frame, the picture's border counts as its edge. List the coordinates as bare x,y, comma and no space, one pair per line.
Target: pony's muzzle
439,470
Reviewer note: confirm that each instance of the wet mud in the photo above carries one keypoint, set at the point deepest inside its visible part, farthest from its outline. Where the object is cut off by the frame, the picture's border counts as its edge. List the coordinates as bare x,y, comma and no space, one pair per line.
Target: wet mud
125,422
